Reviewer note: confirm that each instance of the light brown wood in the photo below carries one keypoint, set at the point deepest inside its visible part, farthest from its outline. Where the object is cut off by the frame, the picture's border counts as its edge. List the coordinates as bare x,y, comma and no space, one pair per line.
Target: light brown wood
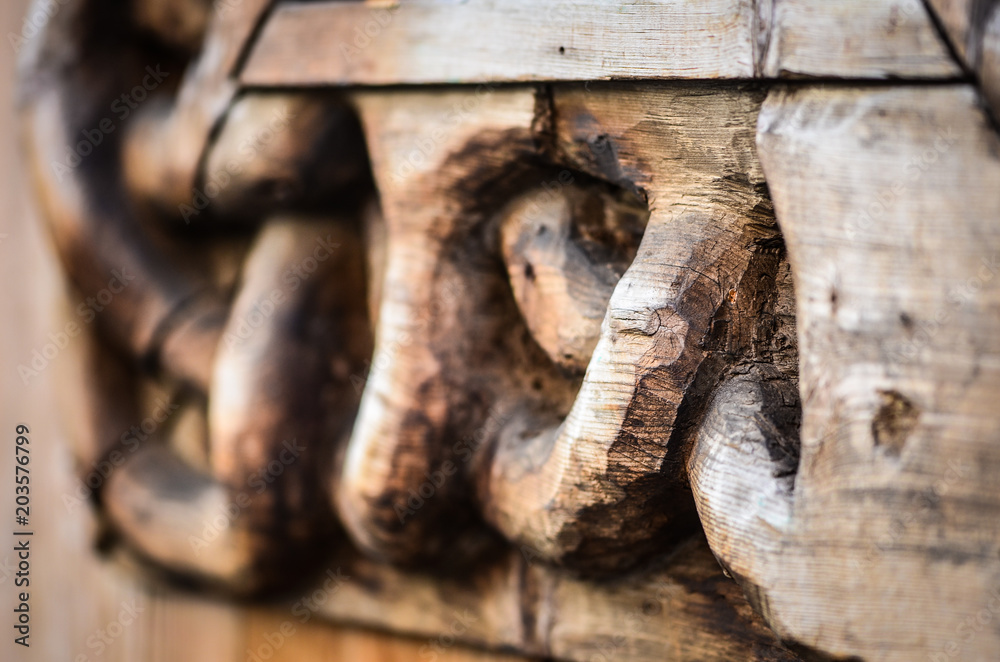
609,318
74,594
166,139
430,41
887,200
565,248
973,29
681,607
854,39
436,41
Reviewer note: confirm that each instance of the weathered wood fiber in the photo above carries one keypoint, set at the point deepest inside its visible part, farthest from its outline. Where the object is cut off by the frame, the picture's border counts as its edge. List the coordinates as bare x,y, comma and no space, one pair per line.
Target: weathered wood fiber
854,39
593,491
888,542
603,487
681,608
973,28
587,339
436,41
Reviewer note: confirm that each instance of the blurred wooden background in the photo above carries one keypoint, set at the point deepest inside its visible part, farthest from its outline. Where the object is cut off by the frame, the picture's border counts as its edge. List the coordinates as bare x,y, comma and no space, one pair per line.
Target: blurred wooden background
80,607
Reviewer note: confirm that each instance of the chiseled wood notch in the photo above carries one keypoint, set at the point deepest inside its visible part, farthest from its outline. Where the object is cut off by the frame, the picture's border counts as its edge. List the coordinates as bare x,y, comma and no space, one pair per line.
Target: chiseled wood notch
887,199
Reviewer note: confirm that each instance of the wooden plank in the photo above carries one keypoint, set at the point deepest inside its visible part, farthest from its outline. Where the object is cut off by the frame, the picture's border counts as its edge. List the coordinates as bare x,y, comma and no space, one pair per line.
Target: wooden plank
436,41
974,31
682,608
855,39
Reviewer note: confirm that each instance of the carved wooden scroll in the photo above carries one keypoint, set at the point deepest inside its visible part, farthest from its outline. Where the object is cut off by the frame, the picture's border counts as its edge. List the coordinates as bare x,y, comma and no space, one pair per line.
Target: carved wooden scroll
607,344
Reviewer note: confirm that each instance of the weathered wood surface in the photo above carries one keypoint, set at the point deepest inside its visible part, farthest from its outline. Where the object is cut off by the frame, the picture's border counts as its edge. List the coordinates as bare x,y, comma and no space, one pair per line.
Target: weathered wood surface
678,608
545,388
853,39
174,318
437,41
596,490
441,42
973,29
888,204
75,595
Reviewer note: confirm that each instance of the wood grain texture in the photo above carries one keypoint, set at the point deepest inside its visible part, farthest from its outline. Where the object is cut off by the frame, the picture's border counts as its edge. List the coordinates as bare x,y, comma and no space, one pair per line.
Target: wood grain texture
854,39
599,489
973,28
579,472
428,41
435,441
681,607
565,248
500,460
887,202
434,41
74,593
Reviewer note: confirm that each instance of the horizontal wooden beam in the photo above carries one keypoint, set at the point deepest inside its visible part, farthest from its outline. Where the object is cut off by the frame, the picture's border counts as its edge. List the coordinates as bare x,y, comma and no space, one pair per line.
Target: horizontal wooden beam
682,609
444,42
